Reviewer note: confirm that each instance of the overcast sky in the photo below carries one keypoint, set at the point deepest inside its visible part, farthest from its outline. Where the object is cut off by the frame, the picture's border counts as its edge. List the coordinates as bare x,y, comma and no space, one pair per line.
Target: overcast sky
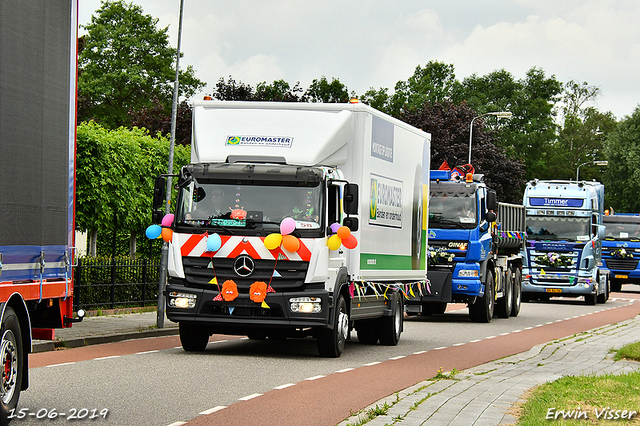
376,43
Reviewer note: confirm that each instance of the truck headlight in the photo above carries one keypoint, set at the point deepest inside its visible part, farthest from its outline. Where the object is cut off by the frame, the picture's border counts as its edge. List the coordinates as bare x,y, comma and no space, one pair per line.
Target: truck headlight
470,273
182,300
306,305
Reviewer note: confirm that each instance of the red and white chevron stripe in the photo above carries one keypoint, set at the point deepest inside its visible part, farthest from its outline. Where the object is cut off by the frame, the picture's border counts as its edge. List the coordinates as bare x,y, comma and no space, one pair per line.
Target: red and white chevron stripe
195,245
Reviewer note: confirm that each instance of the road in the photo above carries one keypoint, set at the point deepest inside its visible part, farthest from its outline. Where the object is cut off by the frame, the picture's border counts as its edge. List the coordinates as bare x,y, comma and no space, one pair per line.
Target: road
154,382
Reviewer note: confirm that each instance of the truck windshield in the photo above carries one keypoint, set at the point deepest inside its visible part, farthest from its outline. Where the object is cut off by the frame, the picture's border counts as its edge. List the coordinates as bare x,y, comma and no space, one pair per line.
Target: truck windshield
622,231
558,228
241,205
452,209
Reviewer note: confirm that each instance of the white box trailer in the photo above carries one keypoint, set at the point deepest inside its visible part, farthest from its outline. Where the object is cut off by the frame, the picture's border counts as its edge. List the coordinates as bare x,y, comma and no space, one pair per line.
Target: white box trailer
258,167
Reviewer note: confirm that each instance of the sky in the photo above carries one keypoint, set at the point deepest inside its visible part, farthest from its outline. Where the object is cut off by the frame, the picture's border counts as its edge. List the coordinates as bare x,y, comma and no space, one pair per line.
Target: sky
377,43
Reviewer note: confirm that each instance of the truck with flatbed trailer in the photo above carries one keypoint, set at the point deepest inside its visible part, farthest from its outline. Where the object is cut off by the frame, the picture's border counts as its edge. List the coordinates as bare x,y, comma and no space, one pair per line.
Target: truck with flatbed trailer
37,181
296,220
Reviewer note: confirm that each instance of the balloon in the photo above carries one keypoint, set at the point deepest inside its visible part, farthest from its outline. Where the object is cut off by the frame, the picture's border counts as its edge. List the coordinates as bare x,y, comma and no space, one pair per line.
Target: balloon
167,234
343,232
334,227
334,242
290,243
214,242
350,242
167,220
153,232
272,241
287,226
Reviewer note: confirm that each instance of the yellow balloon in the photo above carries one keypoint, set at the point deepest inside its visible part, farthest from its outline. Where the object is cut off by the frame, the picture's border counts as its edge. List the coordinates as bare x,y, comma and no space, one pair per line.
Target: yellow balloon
272,241
334,242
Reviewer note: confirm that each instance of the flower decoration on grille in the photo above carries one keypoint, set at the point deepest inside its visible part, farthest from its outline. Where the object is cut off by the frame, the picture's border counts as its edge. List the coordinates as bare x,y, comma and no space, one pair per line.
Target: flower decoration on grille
439,255
554,260
622,253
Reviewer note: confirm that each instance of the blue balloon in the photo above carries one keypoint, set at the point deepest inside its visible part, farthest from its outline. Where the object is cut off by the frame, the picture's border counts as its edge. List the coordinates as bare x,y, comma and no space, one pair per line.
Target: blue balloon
214,242
153,232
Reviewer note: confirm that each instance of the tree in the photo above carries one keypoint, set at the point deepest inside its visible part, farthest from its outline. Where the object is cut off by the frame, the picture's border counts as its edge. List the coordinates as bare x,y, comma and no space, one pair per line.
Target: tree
323,91
280,91
115,174
449,127
126,63
232,91
156,120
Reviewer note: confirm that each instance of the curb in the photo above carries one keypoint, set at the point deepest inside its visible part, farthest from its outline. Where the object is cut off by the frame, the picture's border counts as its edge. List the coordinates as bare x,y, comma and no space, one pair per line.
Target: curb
45,345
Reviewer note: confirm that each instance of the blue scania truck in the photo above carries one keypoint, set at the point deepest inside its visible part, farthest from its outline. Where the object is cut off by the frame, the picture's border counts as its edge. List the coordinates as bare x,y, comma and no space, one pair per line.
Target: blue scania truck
563,255
621,248
474,253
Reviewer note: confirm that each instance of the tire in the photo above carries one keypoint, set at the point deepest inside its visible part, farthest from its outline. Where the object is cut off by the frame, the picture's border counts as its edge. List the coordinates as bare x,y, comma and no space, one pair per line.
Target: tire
590,299
517,293
12,354
504,305
482,309
616,285
602,298
331,341
434,308
391,327
368,332
193,337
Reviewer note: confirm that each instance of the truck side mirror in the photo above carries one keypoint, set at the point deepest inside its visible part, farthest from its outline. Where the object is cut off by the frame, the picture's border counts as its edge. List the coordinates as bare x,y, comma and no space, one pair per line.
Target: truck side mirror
602,231
490,217
159,191
492,202
351,198
351,223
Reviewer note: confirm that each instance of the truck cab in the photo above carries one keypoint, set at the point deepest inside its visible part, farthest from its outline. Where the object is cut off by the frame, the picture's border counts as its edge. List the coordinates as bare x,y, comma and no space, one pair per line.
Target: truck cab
565,231
621,248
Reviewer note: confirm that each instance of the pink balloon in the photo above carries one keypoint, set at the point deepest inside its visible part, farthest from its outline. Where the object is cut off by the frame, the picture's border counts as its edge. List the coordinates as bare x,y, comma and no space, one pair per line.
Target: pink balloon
167,220
287,226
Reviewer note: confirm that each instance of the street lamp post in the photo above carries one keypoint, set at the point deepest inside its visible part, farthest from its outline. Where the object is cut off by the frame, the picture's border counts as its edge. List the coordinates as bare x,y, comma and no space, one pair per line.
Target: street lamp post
596,162
500,114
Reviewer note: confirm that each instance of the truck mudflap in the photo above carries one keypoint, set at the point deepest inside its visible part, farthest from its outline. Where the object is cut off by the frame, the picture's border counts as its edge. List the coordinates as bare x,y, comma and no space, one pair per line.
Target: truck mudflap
438,289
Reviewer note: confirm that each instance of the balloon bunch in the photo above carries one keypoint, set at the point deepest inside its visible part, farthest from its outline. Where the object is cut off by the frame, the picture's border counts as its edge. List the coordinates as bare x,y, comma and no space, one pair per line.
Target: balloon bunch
289,242
164,231
342,236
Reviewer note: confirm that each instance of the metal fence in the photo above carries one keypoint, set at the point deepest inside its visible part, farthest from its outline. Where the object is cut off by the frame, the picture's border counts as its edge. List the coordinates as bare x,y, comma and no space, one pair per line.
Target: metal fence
109,283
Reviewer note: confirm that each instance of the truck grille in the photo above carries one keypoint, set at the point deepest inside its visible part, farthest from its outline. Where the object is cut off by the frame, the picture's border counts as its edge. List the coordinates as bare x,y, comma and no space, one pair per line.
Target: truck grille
624,264
198,273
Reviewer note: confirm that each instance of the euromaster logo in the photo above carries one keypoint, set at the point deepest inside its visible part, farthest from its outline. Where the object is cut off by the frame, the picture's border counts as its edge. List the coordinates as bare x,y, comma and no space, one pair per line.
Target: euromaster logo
273,141
373,210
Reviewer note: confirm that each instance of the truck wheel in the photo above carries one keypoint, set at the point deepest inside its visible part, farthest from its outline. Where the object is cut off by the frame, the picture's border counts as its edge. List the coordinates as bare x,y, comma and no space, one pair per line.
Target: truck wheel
391,327
505,303
482,309
367,332
193,337
590,299
434,308
12,358
517,293
331,341
616,285
602,298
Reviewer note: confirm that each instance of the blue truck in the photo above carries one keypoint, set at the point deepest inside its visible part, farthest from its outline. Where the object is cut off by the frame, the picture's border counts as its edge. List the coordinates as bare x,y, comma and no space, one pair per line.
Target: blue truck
621,248
474,253
563,255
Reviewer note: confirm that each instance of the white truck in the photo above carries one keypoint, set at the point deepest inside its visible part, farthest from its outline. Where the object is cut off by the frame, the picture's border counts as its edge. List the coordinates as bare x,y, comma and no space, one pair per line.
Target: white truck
295,220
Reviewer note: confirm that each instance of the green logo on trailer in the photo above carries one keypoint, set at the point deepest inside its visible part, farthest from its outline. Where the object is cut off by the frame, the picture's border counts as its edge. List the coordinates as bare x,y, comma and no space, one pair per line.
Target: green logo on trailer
373,209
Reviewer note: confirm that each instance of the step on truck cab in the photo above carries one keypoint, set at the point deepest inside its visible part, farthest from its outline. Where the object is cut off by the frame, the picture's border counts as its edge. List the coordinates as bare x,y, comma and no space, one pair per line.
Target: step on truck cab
565,231
294,220
474,253
621,248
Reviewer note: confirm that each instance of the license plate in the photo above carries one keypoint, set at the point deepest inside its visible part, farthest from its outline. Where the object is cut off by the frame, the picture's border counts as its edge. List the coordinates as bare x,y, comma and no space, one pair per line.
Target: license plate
553,290
624,277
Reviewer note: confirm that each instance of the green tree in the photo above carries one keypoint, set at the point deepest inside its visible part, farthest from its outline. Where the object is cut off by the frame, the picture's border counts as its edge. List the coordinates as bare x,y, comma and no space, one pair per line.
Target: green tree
622,176
115,171
321,90
126,62
279,91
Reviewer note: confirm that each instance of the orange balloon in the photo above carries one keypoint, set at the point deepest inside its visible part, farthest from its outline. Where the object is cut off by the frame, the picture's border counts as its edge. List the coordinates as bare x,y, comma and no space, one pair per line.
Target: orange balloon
167,234
343,232
350,242
290,243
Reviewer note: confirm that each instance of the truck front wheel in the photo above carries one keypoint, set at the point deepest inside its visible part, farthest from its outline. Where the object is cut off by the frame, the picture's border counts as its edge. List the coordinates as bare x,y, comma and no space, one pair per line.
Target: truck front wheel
505,303
482,309
517,292
193,337
12,359
331,341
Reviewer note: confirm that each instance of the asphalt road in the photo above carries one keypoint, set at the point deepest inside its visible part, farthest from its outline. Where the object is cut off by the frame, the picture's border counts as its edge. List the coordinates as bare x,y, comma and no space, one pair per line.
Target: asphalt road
154,382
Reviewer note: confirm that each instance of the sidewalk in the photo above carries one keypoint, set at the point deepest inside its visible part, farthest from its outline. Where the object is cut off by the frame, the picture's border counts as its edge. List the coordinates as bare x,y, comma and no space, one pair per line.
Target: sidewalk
486,394
95,330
